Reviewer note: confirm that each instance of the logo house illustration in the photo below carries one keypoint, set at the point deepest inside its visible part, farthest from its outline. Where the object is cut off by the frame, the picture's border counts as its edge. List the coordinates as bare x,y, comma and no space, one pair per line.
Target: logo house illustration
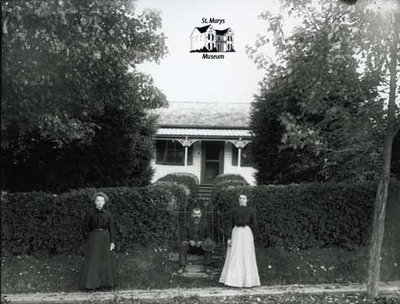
209,39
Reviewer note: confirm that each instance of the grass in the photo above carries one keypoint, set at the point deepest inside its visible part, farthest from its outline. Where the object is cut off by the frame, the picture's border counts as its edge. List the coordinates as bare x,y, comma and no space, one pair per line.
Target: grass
317,266
276,299
149,268
282,299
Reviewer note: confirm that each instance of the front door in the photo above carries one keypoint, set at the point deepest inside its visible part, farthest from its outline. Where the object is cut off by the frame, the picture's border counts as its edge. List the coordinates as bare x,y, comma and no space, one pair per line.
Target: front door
212,161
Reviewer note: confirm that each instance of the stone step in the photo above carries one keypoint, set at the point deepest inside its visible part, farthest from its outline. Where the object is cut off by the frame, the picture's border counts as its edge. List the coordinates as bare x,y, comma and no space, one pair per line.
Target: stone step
202,196
197,271
194,268
197,275
202,200
204,191
207,189
191,258
174,256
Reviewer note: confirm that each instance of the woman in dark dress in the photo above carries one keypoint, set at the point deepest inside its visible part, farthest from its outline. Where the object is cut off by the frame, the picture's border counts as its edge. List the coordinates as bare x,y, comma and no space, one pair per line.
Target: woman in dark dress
98,267
240,268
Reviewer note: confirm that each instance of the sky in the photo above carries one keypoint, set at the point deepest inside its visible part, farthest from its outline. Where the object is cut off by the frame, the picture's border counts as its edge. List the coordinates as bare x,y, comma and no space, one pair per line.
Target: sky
185,76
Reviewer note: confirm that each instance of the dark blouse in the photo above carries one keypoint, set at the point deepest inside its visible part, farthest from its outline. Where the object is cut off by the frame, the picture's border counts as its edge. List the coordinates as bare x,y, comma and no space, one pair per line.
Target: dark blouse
243,216
195,232
99,219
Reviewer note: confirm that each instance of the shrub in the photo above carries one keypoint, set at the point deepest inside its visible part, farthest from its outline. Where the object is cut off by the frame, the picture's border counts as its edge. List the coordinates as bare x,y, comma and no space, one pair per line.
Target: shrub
189,180
311,215
227,181
226,178
178,194
36,222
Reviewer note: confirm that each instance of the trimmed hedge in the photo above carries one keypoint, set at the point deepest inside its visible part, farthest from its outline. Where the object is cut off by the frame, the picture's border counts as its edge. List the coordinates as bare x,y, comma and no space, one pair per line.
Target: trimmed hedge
224,181
37,223
313,215
178,193
227,178
187,179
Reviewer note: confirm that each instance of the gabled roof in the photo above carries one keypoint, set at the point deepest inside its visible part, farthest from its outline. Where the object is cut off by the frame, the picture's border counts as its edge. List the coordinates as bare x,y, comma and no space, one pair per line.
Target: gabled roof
203,28
205,115
222,32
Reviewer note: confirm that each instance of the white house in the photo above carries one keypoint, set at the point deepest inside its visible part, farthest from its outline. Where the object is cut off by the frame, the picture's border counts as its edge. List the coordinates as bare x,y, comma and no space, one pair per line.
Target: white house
210,38
206,139
224,40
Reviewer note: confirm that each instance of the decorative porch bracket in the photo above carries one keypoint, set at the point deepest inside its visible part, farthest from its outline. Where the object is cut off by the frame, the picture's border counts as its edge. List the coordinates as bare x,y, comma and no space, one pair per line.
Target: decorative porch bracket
239,144
187,142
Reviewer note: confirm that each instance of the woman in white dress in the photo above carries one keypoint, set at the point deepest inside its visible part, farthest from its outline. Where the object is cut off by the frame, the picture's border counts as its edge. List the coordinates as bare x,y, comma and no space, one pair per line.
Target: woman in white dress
240,268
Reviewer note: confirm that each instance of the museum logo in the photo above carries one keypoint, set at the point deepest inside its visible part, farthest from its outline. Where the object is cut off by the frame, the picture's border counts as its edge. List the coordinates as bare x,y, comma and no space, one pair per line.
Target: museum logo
209,40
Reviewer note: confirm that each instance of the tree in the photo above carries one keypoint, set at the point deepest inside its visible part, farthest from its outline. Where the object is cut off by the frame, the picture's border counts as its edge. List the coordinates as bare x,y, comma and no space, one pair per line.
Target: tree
65,62
275,163
314,98
373,47
392,129
395,169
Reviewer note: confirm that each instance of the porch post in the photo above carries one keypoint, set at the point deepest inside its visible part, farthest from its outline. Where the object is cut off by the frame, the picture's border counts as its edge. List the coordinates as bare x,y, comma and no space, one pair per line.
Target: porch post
239,144
186,155
186,143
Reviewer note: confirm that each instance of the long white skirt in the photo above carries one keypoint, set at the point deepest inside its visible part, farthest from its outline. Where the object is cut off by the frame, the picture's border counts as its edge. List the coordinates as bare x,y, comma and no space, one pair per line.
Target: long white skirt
240,268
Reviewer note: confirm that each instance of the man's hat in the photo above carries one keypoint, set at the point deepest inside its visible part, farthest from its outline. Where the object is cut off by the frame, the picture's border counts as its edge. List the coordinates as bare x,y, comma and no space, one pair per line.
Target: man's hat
208,245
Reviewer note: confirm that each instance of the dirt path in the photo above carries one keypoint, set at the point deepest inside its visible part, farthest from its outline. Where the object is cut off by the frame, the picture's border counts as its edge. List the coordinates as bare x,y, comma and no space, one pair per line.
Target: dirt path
77,297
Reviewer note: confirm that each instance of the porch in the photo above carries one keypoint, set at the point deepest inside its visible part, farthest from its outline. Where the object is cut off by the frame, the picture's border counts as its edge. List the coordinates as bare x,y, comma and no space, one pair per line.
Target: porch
205,153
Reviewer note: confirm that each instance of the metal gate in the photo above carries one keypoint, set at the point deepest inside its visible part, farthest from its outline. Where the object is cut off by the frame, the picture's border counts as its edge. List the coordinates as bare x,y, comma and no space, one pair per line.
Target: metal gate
215,220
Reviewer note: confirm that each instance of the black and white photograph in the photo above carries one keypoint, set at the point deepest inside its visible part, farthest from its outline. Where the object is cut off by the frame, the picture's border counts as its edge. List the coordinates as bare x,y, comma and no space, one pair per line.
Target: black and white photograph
200,151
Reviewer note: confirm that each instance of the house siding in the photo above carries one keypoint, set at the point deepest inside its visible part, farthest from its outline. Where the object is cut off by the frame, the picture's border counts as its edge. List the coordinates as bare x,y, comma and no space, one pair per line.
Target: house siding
247,172
198,41
162,170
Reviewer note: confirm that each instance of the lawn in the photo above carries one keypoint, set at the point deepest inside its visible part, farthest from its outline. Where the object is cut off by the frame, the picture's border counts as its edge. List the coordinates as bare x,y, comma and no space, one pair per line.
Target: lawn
282,299
150,268
275,299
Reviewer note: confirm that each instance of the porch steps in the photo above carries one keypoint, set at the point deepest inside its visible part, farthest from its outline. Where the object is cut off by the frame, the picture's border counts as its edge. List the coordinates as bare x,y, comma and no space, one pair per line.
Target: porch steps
194,268
205,188
203,196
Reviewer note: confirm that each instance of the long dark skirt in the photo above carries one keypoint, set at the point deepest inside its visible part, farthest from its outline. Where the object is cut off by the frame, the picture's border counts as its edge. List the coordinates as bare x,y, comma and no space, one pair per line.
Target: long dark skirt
98,268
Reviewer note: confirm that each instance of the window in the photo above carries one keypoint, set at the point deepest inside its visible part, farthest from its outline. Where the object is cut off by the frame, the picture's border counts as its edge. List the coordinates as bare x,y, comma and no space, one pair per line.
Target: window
247,156
170,152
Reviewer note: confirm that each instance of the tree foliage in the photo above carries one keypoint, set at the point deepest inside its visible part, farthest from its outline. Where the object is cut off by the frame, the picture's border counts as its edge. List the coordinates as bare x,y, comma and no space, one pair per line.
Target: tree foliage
68,70
372,33
321,93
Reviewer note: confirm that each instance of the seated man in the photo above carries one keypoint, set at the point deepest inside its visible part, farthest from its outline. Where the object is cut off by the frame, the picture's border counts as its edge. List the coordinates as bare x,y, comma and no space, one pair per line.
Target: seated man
196,239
